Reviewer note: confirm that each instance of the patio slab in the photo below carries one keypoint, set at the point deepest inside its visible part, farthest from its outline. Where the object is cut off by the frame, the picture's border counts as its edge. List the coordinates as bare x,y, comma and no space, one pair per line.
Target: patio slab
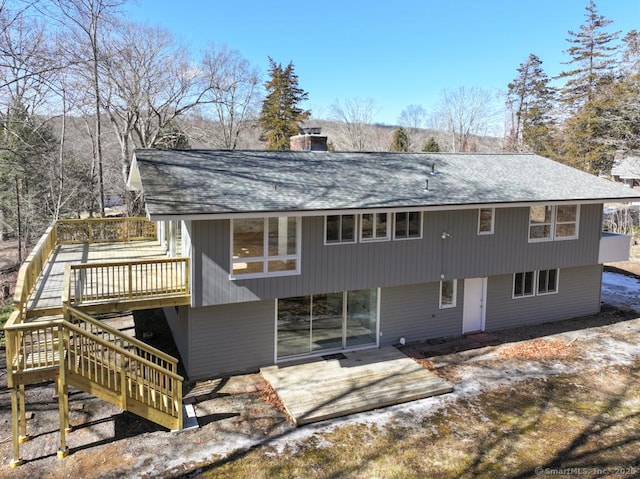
359,381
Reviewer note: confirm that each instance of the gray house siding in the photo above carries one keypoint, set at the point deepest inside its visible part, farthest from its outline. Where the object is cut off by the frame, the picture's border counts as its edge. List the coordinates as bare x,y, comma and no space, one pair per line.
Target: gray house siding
240,337
178,321
578,294
231,338
327,268
412,312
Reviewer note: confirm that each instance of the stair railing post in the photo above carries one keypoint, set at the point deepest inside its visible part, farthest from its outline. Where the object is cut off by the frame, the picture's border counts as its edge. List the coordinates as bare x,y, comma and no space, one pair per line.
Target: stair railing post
130,281
63,400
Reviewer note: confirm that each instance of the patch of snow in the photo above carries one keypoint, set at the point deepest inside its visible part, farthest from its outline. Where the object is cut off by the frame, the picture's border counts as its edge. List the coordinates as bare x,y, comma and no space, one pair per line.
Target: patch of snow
621,291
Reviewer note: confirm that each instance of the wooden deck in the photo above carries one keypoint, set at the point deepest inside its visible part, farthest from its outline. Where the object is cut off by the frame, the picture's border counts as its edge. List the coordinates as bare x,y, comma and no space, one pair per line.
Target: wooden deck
47,294
361,381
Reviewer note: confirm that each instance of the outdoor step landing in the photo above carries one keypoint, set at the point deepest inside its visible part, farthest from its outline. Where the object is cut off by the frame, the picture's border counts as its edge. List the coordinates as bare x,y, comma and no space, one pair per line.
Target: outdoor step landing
364,380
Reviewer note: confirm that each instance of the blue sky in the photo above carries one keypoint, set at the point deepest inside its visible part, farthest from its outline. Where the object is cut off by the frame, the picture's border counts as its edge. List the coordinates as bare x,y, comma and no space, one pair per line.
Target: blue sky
398,52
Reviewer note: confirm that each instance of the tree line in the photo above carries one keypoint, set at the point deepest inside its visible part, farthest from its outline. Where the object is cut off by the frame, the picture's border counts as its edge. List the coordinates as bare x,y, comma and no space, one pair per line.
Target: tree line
81,87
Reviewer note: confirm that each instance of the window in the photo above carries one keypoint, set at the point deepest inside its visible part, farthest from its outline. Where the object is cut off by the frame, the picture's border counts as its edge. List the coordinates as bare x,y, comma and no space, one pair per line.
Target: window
534,283
407,225
374,227
340,229
448,294
566,222
523,284
265,247
485,221
540,220
549,223
547,281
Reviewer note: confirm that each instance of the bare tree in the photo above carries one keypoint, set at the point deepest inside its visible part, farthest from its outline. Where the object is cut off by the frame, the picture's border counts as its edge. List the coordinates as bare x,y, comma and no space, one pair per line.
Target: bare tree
355,119
85,21
413,118
234,95
148,82
465,113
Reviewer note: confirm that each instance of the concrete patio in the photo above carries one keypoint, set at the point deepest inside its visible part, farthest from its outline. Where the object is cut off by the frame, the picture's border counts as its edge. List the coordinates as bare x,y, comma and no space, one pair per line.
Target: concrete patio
351,382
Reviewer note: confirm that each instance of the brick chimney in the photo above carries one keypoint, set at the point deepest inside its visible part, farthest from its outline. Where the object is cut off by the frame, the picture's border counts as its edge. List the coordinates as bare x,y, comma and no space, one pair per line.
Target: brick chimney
309,139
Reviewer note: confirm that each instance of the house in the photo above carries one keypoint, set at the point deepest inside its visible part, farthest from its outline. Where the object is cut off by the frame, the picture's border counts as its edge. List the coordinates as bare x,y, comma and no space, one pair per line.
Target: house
301,253
626,169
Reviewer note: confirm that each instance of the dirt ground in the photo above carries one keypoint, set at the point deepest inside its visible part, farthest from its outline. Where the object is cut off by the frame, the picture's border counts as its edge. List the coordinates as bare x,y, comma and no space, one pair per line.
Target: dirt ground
108,443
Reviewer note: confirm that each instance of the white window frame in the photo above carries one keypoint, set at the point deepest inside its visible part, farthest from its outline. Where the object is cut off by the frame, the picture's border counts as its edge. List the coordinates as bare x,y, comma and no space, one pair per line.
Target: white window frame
493,220
534,279
555,291
553,224
455,294
556,223
535,290
265,258
375,214
341,241
402,238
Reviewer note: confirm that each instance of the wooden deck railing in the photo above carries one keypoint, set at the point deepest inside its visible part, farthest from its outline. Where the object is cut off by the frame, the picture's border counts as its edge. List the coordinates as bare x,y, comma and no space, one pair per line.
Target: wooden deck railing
31,270
126,280
103,230
114,336
142,385
31,347
138,383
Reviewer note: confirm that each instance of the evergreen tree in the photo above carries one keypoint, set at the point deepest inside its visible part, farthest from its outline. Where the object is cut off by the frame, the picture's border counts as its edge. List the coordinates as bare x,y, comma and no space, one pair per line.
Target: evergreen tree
281,115
431,146
400,140
592,55
530,101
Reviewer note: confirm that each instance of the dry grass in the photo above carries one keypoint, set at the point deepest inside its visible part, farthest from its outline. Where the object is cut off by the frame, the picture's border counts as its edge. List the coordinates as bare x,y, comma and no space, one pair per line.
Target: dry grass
539,349
580,421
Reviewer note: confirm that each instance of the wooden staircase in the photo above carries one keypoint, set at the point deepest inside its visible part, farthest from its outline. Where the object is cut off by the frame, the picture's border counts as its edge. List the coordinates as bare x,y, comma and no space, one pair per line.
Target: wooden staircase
73,348
79,351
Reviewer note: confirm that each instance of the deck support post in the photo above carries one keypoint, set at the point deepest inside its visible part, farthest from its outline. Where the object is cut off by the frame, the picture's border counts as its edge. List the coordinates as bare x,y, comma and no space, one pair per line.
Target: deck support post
16,461
23,415
63,397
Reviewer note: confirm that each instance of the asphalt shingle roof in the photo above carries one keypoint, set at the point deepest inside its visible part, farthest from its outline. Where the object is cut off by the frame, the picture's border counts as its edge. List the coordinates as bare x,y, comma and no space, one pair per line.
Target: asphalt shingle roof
209,182
628,167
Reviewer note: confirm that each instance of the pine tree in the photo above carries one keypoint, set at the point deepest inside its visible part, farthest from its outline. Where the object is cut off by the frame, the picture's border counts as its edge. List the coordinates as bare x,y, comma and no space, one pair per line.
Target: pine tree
592,53
530,101
400,140
281,115
431,146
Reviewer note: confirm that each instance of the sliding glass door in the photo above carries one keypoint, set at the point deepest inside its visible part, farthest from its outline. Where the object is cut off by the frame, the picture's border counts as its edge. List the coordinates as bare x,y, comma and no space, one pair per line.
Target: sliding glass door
326,322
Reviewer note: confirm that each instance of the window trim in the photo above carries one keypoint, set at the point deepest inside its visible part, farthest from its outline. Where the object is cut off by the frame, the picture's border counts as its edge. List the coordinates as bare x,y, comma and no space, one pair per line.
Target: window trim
553,224
375,239
341,241
493,221
455,294
576,222
266,258
395,238
535,291
534,279
555,291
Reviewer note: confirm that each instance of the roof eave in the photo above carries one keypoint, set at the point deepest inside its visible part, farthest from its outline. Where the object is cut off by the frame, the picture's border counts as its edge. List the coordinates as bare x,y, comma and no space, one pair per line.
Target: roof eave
320,212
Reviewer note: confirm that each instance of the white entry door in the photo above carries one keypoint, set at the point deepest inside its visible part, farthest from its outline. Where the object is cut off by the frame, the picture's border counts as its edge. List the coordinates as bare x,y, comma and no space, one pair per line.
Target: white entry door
475,297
